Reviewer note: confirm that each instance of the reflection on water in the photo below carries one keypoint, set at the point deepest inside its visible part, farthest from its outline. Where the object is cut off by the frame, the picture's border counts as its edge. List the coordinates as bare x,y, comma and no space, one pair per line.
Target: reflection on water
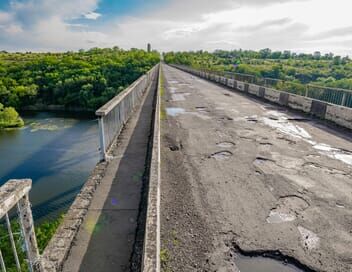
262,264
57,151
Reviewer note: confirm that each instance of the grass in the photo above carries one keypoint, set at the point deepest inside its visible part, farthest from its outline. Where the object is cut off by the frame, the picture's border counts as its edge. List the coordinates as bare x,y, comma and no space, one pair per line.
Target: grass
162,93
44,232
164,260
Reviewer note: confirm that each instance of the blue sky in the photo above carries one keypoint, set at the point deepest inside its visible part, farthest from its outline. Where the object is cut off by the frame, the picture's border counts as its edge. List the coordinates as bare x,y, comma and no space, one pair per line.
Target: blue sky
60,25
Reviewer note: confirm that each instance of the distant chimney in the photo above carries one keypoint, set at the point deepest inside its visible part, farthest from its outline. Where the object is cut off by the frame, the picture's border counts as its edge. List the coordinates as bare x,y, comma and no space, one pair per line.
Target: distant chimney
149,47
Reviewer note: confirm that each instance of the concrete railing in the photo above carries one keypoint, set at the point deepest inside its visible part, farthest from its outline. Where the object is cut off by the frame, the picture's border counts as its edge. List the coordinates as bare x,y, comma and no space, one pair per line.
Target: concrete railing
337,96
339,115
114,114
14,195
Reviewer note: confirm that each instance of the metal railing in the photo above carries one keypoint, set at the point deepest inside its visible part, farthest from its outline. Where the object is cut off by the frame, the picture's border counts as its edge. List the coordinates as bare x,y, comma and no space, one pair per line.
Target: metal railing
114,114
337,96
14,196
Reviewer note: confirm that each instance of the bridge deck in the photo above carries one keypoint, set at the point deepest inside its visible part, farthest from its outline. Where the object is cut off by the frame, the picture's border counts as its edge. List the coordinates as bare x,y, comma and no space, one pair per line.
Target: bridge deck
241,173
108,239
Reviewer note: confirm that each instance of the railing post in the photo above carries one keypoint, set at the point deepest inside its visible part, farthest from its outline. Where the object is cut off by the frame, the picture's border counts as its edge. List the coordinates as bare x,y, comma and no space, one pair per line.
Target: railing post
102,138
306,95
2,263
13,244
27,226
343,99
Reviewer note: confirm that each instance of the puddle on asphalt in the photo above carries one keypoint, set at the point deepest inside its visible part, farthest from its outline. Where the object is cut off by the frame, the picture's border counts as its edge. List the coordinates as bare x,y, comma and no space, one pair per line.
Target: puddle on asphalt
263,264
174,111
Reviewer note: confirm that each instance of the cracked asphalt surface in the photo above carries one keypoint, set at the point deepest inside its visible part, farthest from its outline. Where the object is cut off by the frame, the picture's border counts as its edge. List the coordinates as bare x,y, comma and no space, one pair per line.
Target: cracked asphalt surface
241,174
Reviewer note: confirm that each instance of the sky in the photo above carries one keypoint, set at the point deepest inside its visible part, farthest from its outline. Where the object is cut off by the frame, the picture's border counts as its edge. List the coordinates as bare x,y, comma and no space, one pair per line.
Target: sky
177,25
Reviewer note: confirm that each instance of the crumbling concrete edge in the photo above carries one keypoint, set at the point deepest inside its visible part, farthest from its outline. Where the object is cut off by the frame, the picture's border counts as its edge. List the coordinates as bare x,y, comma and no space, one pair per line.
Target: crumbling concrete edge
56,252
339,115
151,249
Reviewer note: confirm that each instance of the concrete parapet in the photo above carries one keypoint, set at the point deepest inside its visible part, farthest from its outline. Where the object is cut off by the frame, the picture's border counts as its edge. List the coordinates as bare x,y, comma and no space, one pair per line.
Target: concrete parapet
272,95
318,108
298,102
231,83
240,85
339,115
253,89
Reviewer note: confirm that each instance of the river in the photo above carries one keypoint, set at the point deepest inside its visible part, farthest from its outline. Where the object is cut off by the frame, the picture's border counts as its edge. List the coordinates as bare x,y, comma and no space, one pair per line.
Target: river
57,151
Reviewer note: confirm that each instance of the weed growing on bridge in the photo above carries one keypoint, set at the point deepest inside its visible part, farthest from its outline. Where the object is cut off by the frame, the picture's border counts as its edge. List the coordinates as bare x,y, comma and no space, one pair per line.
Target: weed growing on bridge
44,232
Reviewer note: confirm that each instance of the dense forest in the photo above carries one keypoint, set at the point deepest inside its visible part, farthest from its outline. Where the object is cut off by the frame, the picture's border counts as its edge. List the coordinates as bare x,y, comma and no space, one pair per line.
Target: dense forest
84,79
327,70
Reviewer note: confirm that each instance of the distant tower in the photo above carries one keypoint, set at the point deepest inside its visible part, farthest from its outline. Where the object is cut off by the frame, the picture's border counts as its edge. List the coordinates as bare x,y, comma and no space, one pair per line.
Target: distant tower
149,48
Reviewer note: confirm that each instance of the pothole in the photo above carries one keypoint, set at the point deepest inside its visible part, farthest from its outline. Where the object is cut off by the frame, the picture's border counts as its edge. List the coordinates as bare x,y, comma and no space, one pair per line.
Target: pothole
264,264
267,261
226,144
340,205
276,217
287,209
221,155
252,119
174,148
266,143
226,118
202,109
261,160
174,111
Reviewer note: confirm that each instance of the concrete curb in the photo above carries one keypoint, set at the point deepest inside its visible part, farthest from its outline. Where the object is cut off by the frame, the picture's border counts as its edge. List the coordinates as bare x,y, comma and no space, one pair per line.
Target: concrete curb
151,250
339,115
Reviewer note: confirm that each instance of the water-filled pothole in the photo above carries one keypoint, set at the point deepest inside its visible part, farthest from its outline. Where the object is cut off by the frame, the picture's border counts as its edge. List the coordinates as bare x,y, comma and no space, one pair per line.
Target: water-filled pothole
264,264
174,111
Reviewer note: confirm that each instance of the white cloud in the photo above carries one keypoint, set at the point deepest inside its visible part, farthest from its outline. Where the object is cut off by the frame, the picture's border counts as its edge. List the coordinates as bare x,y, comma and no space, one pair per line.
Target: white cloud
298,25
91,15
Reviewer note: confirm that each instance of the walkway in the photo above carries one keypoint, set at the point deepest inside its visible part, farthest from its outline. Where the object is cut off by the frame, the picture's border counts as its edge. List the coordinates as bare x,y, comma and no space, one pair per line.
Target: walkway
108,240
238,173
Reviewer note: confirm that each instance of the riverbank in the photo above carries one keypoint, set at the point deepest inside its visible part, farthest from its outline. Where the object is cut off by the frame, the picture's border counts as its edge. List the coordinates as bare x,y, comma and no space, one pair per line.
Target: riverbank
56,108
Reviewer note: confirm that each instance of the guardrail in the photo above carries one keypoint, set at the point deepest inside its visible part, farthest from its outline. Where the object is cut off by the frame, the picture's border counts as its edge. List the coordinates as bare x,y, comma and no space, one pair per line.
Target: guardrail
340,115
14,195
114,114
335,96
